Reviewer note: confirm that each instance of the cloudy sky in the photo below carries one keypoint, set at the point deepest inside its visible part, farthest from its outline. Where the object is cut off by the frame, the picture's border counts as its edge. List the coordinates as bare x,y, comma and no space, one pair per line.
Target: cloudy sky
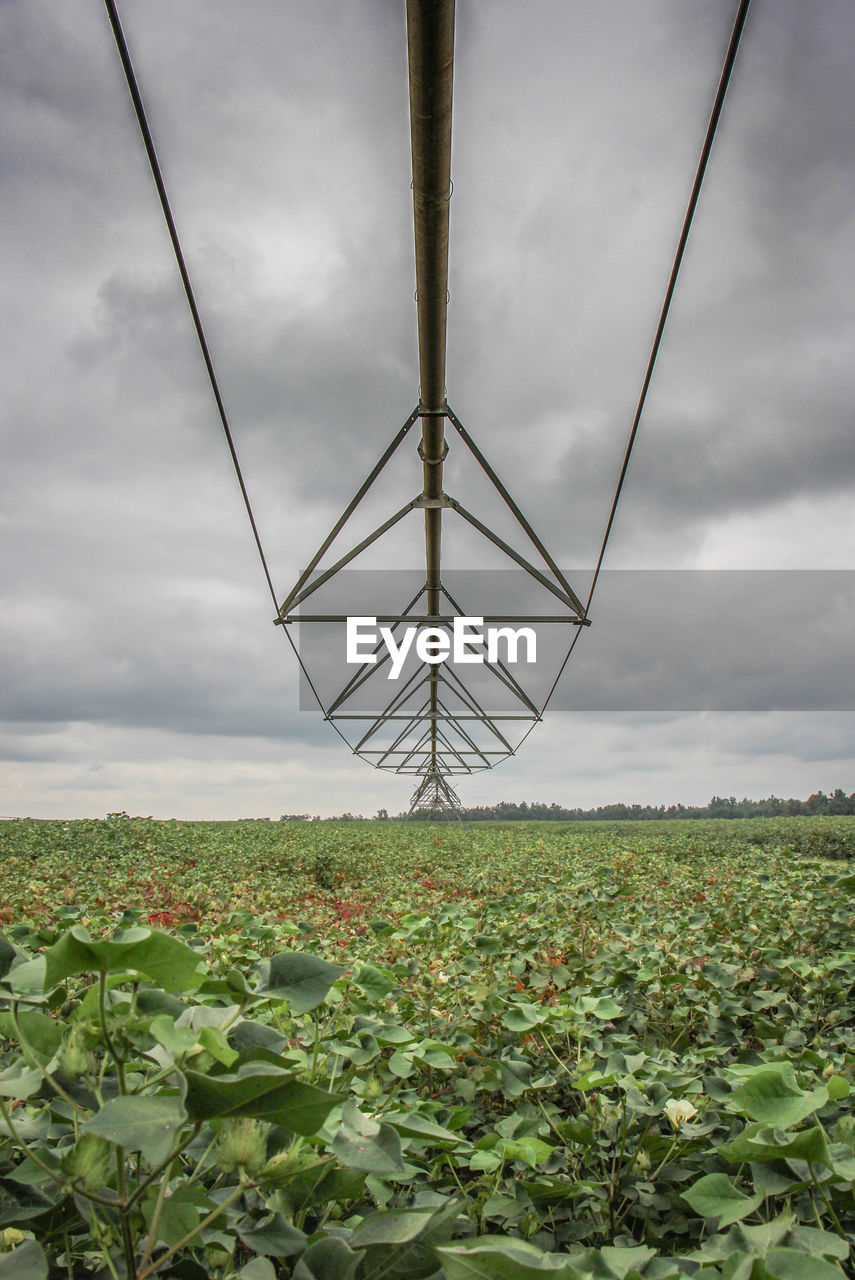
140,669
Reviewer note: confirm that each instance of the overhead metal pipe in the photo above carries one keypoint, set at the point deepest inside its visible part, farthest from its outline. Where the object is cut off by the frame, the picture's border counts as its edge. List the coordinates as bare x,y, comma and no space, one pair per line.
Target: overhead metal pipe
430,57
430,54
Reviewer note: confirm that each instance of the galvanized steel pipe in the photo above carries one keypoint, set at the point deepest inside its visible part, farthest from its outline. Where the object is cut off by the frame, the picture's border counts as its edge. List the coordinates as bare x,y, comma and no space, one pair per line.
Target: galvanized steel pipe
430,56
430,53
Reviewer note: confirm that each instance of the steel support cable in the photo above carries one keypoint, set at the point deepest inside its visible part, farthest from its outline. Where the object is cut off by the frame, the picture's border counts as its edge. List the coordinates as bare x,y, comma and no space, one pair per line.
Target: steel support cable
724,81
148,141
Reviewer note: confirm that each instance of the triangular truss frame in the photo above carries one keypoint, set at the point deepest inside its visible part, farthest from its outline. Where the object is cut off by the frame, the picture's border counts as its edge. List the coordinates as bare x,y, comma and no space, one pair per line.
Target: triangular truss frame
433,725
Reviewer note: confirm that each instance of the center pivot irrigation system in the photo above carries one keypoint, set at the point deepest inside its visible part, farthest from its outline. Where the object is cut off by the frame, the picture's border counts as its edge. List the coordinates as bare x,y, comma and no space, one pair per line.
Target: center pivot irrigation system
436,724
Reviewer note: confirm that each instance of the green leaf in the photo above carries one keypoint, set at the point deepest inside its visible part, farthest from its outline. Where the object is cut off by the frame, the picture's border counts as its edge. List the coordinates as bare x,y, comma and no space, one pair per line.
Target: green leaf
420,1127
399,1244
160,956
28,1173
27,1262
761,1237
774,1178
486,944
813,1240
714,1196
362,1143
516,1077
175,1040
500,1258
260,1089
434,1053
179,1212
246,1034
774,1097
765,1142
27,980
257,1269
8,952
393,1226
391,1033
791,1264
42,1033
298,977
843,1162
272,1235
522,1016
335,1183
601,1007
402,1065
838,1088
153,1001
19,1081
594,1079
620,1262
147,1125
23,1207
578,1130
532,1151
212,1039
485,1161
373,982
327,1259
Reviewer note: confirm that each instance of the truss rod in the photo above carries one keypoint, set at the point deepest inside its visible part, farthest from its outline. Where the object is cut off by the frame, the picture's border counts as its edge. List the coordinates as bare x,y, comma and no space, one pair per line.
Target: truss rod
469,700
498,668
418,749
379,751
572,601
414,751
354,552
443,620
417,767
452,751
395,704
464,735
339,715
367,669
412,721
503,492
473,705
347,513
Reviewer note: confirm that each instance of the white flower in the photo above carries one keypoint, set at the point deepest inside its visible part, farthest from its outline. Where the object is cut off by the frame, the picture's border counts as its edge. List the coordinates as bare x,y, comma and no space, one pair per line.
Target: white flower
442,977
679,1112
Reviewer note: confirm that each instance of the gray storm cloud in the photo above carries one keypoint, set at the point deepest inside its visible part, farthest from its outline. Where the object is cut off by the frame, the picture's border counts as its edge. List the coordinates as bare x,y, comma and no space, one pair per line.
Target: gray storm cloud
131,597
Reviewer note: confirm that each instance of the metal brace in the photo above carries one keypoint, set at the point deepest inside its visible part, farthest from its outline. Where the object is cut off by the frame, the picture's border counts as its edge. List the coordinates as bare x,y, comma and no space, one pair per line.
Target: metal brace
442,501
433,462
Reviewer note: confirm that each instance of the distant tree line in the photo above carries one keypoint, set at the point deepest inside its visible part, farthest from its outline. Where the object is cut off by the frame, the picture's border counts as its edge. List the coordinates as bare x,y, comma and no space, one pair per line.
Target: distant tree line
719,807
